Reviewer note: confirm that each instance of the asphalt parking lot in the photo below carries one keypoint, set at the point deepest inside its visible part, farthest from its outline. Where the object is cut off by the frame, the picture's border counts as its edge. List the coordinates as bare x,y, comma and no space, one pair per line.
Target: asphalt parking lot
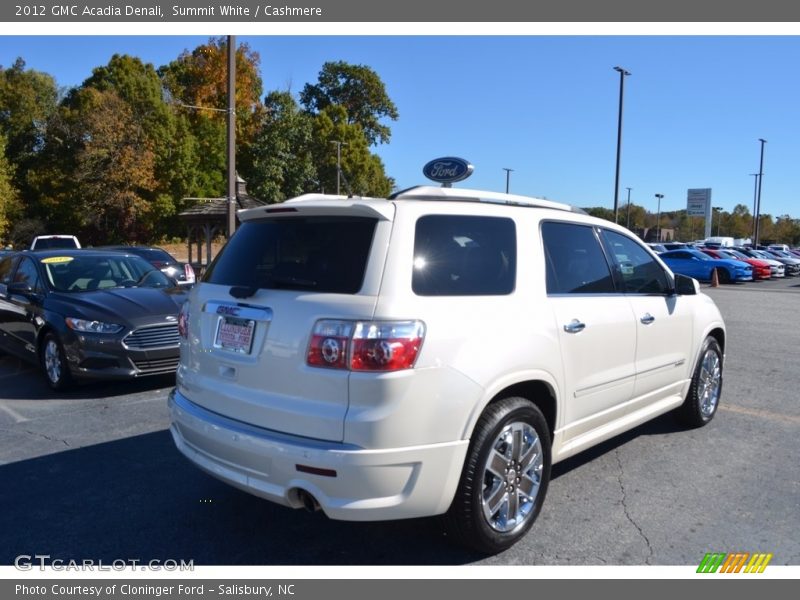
93,474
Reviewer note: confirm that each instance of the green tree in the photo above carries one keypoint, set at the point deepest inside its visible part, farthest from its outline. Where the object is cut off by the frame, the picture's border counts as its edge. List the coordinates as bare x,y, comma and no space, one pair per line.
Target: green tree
363,172
739,224
359,90
27,100
601,212
9,197
787,230
282,163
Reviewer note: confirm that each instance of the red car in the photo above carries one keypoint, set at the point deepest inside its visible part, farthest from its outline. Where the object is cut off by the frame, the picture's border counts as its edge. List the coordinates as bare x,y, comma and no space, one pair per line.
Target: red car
761,269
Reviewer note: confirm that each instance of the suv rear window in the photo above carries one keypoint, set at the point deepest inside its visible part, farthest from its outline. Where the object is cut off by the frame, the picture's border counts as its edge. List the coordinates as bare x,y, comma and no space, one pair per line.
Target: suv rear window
458,255
320,254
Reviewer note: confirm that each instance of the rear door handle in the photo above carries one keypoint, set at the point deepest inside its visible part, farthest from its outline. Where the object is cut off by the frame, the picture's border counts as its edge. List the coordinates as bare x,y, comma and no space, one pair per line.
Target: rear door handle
647,319
574,326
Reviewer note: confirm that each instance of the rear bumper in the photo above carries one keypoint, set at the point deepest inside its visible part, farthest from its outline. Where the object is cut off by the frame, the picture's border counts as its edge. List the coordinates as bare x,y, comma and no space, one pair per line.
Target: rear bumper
348,482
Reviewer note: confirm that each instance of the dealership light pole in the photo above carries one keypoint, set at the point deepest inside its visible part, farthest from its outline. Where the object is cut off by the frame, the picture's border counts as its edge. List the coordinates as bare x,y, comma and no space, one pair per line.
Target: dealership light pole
508,177
622,73
628,219
719,218
658,218
758,199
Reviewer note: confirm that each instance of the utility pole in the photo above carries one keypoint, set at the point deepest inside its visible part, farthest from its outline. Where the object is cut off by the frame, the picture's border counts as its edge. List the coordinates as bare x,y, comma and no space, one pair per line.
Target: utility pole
758,201
231,135
338,162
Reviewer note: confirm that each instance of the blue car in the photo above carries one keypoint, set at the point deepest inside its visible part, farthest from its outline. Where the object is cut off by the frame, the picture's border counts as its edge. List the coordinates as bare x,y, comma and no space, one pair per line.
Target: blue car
701,266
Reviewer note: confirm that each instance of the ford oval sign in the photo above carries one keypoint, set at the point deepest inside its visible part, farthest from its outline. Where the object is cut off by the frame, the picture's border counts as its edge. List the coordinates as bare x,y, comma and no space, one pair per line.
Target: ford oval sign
448,169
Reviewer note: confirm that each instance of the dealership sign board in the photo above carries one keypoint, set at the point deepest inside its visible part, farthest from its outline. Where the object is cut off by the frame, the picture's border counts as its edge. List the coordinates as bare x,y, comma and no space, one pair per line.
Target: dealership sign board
698,202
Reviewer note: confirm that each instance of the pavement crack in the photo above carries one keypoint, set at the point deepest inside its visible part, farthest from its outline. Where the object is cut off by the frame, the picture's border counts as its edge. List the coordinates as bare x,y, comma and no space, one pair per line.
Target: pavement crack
625,508
47,437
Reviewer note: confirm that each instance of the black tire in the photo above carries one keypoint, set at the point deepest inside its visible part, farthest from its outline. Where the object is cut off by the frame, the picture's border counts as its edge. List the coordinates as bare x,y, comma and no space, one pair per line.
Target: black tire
521,488
724,276
54,363
702,401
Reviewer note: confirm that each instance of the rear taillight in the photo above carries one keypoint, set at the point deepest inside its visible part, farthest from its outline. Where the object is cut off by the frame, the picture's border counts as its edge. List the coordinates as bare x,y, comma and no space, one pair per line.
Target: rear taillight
330,344
189,272
183,321
365,345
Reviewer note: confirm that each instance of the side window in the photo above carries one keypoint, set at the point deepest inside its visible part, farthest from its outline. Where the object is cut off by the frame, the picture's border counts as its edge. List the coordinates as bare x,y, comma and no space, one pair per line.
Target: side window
6,269
574,260
27,273
638,271
459,255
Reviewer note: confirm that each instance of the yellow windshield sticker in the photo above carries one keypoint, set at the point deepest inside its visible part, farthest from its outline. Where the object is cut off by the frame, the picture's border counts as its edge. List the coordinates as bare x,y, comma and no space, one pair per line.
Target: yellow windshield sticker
57,259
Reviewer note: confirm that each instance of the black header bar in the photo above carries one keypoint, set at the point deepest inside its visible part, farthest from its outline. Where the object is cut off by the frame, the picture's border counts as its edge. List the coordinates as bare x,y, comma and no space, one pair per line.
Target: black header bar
411,11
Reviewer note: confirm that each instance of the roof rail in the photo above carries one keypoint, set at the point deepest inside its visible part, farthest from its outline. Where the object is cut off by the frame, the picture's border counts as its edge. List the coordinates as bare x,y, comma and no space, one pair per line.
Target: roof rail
428,192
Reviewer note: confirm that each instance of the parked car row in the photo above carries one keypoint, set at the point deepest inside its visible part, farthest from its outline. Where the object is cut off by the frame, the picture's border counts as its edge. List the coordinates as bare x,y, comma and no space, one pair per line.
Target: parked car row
731,264
92,313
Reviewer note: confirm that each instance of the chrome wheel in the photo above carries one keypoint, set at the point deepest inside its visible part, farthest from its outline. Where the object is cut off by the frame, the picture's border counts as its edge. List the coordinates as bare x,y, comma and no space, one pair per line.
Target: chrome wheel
703,399
512,475
54,364
709,382
52,361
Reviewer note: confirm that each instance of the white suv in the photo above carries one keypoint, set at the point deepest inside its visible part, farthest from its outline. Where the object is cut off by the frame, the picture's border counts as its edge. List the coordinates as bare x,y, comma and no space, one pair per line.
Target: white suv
432,353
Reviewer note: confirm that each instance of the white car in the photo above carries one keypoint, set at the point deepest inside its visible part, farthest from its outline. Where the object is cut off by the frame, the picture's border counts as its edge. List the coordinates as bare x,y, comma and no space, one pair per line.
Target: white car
432,353
52,242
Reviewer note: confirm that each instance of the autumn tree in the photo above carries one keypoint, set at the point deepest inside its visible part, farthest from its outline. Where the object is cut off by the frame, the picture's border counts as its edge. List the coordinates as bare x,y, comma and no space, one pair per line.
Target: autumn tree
167,132
196,84
357,89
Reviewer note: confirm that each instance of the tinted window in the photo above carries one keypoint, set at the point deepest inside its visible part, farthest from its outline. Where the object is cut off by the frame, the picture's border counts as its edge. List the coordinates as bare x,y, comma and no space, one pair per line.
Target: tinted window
26,273
6,268
51,243
637,269
149,254
574,260
457,255
322,254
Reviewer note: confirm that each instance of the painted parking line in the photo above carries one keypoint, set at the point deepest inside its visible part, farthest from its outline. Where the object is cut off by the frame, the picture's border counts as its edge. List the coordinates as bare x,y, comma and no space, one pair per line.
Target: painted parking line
762,414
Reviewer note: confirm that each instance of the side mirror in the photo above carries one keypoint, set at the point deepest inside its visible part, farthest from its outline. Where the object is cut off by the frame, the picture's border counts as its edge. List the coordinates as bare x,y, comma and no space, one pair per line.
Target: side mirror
19,288
686,286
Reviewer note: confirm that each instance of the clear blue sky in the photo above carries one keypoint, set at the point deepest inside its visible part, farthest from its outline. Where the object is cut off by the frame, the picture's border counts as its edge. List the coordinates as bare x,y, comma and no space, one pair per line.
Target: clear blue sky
543,106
